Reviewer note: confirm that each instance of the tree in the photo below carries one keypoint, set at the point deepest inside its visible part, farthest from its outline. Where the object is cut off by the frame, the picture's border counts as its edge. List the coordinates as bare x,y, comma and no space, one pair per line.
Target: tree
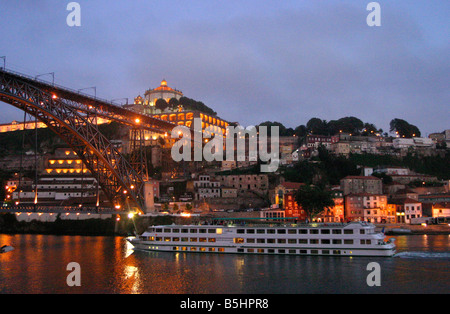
403,128
314,200
161,104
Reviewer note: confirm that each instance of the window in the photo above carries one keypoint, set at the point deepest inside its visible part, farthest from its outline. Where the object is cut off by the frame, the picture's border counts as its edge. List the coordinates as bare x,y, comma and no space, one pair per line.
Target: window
337,241
251,231
303,241
240,231
314,231
211,230
193,239
281,231
250,240
292,231
260,231
337,231
292,241
303,231
325,241
313,241
348,241
271,231
260,240
348,231
325,231
238,240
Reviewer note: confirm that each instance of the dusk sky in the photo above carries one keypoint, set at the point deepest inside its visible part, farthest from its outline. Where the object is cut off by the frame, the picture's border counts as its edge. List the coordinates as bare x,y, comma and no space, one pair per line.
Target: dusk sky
250,60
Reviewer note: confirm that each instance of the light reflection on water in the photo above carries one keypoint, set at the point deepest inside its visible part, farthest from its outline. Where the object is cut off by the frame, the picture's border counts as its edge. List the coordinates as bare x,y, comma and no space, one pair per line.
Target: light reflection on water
109,265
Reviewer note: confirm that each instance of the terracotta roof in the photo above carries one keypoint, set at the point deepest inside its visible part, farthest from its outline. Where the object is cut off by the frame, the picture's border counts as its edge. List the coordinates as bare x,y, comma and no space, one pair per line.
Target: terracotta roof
292,185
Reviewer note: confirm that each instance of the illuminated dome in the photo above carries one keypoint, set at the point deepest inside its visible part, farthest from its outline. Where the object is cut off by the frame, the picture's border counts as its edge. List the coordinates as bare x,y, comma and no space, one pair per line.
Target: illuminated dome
163,91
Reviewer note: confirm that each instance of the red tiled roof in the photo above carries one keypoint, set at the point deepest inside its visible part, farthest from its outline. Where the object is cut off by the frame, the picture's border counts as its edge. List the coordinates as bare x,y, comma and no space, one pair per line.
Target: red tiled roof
292,185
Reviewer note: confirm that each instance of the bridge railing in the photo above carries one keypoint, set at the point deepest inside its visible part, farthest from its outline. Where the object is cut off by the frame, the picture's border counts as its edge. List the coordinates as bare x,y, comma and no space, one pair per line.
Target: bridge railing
64,88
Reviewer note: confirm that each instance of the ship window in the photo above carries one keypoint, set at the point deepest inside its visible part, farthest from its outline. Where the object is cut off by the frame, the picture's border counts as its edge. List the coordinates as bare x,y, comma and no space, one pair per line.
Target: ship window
202,240
260,250
167,239
303,231
212,240
313,241
166,230
337,231
292,241
250,240
184,239
271,231
281,231
184,230
240,231
337,252
325,251
314,231
270,251
281,241
175,239
158,239
362,231
193,249
193,230
348,241
292,251
325,231
175,230
250,250
211,230
240,250
250,230
292,231
325,241
270,240
202,249
238,240
303,241
314,251
281,251
260,240
158,230
221,249
348,231
193,239
303,251
337,241
211,249
202,230
260,231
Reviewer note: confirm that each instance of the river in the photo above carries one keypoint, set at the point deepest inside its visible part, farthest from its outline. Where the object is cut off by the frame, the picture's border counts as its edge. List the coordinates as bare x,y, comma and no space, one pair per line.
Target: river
108,265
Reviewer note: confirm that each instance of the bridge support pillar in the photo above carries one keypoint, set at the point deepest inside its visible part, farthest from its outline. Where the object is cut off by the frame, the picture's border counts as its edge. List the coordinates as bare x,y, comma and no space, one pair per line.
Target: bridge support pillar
149,195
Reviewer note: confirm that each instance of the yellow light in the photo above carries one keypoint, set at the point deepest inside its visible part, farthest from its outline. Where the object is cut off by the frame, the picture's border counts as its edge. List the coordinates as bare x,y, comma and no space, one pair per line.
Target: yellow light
185,215
137,120
54,96
130,215
117,206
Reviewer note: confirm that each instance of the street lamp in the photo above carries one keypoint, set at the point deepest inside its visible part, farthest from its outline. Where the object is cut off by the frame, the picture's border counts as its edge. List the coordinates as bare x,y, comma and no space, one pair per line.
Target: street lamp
51,73
94,88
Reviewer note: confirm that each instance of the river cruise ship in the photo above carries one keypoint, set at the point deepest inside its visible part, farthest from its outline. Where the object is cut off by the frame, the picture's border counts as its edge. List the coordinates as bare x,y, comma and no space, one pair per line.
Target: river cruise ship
333,239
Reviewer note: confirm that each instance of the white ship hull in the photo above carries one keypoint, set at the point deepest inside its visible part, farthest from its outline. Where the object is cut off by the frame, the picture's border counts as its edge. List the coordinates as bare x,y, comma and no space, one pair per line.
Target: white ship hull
353,239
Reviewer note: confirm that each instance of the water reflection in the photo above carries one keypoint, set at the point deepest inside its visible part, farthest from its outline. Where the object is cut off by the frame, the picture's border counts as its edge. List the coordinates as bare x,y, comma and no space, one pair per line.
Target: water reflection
109,265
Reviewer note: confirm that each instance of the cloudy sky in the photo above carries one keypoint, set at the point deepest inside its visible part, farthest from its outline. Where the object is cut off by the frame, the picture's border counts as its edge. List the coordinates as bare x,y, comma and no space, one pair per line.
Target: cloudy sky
250,60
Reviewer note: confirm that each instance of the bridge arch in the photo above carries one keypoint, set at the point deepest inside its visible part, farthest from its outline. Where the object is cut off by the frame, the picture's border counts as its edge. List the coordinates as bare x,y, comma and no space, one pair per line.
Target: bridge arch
117,178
